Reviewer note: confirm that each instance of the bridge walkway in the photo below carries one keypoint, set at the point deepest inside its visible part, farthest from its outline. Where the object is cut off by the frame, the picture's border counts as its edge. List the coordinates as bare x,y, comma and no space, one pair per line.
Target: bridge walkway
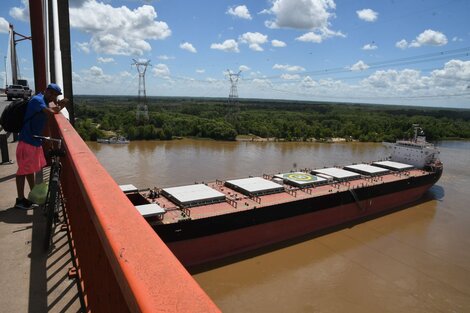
31,279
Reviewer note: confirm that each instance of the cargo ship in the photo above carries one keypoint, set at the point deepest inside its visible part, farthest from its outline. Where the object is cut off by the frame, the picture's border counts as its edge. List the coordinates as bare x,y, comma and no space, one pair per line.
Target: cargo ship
206,222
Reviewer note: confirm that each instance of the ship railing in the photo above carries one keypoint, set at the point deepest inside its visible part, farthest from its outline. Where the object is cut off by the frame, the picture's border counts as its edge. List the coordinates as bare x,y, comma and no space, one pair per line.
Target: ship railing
231,202
186,212
255,198
268,176
121,263
307,190
292,192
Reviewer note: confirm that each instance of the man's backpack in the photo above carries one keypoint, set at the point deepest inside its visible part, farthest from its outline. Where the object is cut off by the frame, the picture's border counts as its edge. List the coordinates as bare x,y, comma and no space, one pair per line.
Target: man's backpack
13,116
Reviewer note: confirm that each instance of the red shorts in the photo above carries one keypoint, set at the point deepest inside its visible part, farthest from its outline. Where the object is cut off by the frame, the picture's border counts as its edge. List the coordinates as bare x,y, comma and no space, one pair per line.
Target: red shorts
30,159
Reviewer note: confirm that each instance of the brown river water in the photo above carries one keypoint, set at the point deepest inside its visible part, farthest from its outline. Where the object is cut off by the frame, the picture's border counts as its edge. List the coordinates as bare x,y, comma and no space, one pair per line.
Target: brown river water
414,260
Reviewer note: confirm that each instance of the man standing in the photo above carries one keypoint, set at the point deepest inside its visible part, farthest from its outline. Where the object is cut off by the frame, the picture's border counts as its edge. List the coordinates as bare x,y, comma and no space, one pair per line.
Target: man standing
29,154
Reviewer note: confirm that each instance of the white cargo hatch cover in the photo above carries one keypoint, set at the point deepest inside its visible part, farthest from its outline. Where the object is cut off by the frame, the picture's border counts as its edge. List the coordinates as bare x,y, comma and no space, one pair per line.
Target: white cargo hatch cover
393,165
191,194
255,185
337,173
366,169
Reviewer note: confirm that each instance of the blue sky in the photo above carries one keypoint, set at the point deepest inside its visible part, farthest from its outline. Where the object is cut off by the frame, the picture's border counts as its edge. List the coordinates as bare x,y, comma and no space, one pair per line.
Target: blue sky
385,51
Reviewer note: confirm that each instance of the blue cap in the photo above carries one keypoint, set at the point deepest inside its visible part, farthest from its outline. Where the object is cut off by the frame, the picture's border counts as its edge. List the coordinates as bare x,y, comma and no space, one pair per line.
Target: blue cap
55,87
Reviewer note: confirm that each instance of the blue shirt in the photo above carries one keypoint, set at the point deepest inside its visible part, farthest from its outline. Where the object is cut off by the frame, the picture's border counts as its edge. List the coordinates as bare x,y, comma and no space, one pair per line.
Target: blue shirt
34,120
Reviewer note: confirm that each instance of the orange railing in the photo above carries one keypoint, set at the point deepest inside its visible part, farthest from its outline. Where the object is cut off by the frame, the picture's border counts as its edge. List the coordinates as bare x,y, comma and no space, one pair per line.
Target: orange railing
122,265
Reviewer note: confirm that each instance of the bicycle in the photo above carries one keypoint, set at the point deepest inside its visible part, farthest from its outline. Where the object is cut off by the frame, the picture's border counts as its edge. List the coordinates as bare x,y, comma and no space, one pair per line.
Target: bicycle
54,195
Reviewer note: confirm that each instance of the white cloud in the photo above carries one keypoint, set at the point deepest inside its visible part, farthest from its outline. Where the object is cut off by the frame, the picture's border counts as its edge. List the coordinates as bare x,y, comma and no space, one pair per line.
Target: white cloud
118,31
290,76
96,71
21,13
161,70
359,66
278,43
455,38
307,14
288,68
308,82
262,82
96,75
243,68
95,81
4,26
105,60
254,40
83,46
165,57
452,78
402,44
188,47
312,15
367,15
228,45
240,11
76,78
369,46
429,37
319,35
125,74
394,80
454,69
200,71
310,37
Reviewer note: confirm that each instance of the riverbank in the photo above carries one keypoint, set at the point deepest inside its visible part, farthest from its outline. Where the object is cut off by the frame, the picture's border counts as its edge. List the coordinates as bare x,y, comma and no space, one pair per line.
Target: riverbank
254,138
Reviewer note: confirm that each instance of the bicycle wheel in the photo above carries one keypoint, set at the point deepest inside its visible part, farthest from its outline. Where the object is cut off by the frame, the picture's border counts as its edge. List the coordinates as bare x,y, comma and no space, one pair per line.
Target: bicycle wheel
51,204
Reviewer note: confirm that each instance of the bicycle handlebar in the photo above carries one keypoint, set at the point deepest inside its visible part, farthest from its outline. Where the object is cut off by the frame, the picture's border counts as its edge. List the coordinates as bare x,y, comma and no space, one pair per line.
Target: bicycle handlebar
48,138
54,152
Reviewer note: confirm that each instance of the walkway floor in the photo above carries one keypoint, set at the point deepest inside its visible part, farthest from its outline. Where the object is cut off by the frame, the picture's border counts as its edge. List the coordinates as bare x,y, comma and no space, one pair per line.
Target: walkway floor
31,279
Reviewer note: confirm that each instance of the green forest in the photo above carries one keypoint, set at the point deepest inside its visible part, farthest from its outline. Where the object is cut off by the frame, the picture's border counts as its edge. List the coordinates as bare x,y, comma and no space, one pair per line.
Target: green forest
169,118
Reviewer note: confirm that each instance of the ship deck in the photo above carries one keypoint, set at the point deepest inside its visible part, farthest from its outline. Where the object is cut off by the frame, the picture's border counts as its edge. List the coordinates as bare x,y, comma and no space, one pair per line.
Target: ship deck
236,201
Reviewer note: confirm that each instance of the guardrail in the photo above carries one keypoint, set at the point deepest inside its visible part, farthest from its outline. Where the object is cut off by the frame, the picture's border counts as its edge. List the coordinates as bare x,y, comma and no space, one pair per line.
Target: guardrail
122,264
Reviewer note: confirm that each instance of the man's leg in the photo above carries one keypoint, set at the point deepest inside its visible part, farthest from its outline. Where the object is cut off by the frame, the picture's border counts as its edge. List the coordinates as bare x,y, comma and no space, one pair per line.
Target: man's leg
30,178
20,185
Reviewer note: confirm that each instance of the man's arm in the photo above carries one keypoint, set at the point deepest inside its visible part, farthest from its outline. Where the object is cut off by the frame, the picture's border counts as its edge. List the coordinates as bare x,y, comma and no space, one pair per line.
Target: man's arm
55,108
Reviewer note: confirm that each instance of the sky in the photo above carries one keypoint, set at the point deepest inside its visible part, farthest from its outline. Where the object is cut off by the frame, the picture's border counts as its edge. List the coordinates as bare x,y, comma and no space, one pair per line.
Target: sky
405,52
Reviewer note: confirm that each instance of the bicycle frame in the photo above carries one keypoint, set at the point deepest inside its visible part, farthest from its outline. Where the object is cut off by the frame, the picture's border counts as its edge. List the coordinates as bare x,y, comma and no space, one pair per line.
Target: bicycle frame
53,197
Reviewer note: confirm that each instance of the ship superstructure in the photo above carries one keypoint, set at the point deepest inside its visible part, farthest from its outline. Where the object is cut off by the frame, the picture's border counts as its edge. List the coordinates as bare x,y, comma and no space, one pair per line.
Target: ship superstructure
417,151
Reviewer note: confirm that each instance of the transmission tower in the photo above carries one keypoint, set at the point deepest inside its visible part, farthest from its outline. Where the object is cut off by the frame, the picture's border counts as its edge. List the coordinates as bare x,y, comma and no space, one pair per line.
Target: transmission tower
142,109
233,96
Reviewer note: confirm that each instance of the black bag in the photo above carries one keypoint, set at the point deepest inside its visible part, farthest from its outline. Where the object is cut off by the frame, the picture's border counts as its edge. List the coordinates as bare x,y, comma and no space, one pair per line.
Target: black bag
13,116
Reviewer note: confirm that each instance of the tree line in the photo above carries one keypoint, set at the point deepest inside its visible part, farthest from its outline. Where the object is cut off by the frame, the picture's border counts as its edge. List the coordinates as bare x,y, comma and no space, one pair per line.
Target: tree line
98,116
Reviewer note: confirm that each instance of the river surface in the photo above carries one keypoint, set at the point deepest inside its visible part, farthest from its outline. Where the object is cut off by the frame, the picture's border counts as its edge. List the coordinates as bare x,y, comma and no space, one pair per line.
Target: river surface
414,260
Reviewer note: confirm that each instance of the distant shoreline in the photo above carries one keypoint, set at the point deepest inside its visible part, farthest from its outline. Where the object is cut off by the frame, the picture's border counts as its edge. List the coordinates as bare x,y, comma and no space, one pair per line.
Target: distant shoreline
254,138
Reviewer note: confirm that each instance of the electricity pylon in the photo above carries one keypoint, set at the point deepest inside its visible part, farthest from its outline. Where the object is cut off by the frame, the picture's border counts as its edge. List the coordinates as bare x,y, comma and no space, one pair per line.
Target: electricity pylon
233,96
142,109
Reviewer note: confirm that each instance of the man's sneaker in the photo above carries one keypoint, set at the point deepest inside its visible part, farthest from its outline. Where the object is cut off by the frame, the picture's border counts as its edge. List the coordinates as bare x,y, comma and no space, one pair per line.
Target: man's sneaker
22,204
30,203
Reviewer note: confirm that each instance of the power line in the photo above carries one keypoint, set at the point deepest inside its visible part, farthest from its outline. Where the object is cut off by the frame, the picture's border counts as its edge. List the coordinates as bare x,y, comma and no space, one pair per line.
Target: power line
394,62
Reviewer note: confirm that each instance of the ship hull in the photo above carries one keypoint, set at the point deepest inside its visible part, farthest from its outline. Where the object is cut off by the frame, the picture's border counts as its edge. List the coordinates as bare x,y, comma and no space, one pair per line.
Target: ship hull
196,242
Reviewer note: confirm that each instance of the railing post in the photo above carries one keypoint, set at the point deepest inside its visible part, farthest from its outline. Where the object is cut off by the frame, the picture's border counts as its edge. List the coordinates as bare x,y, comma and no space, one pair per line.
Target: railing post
4,148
